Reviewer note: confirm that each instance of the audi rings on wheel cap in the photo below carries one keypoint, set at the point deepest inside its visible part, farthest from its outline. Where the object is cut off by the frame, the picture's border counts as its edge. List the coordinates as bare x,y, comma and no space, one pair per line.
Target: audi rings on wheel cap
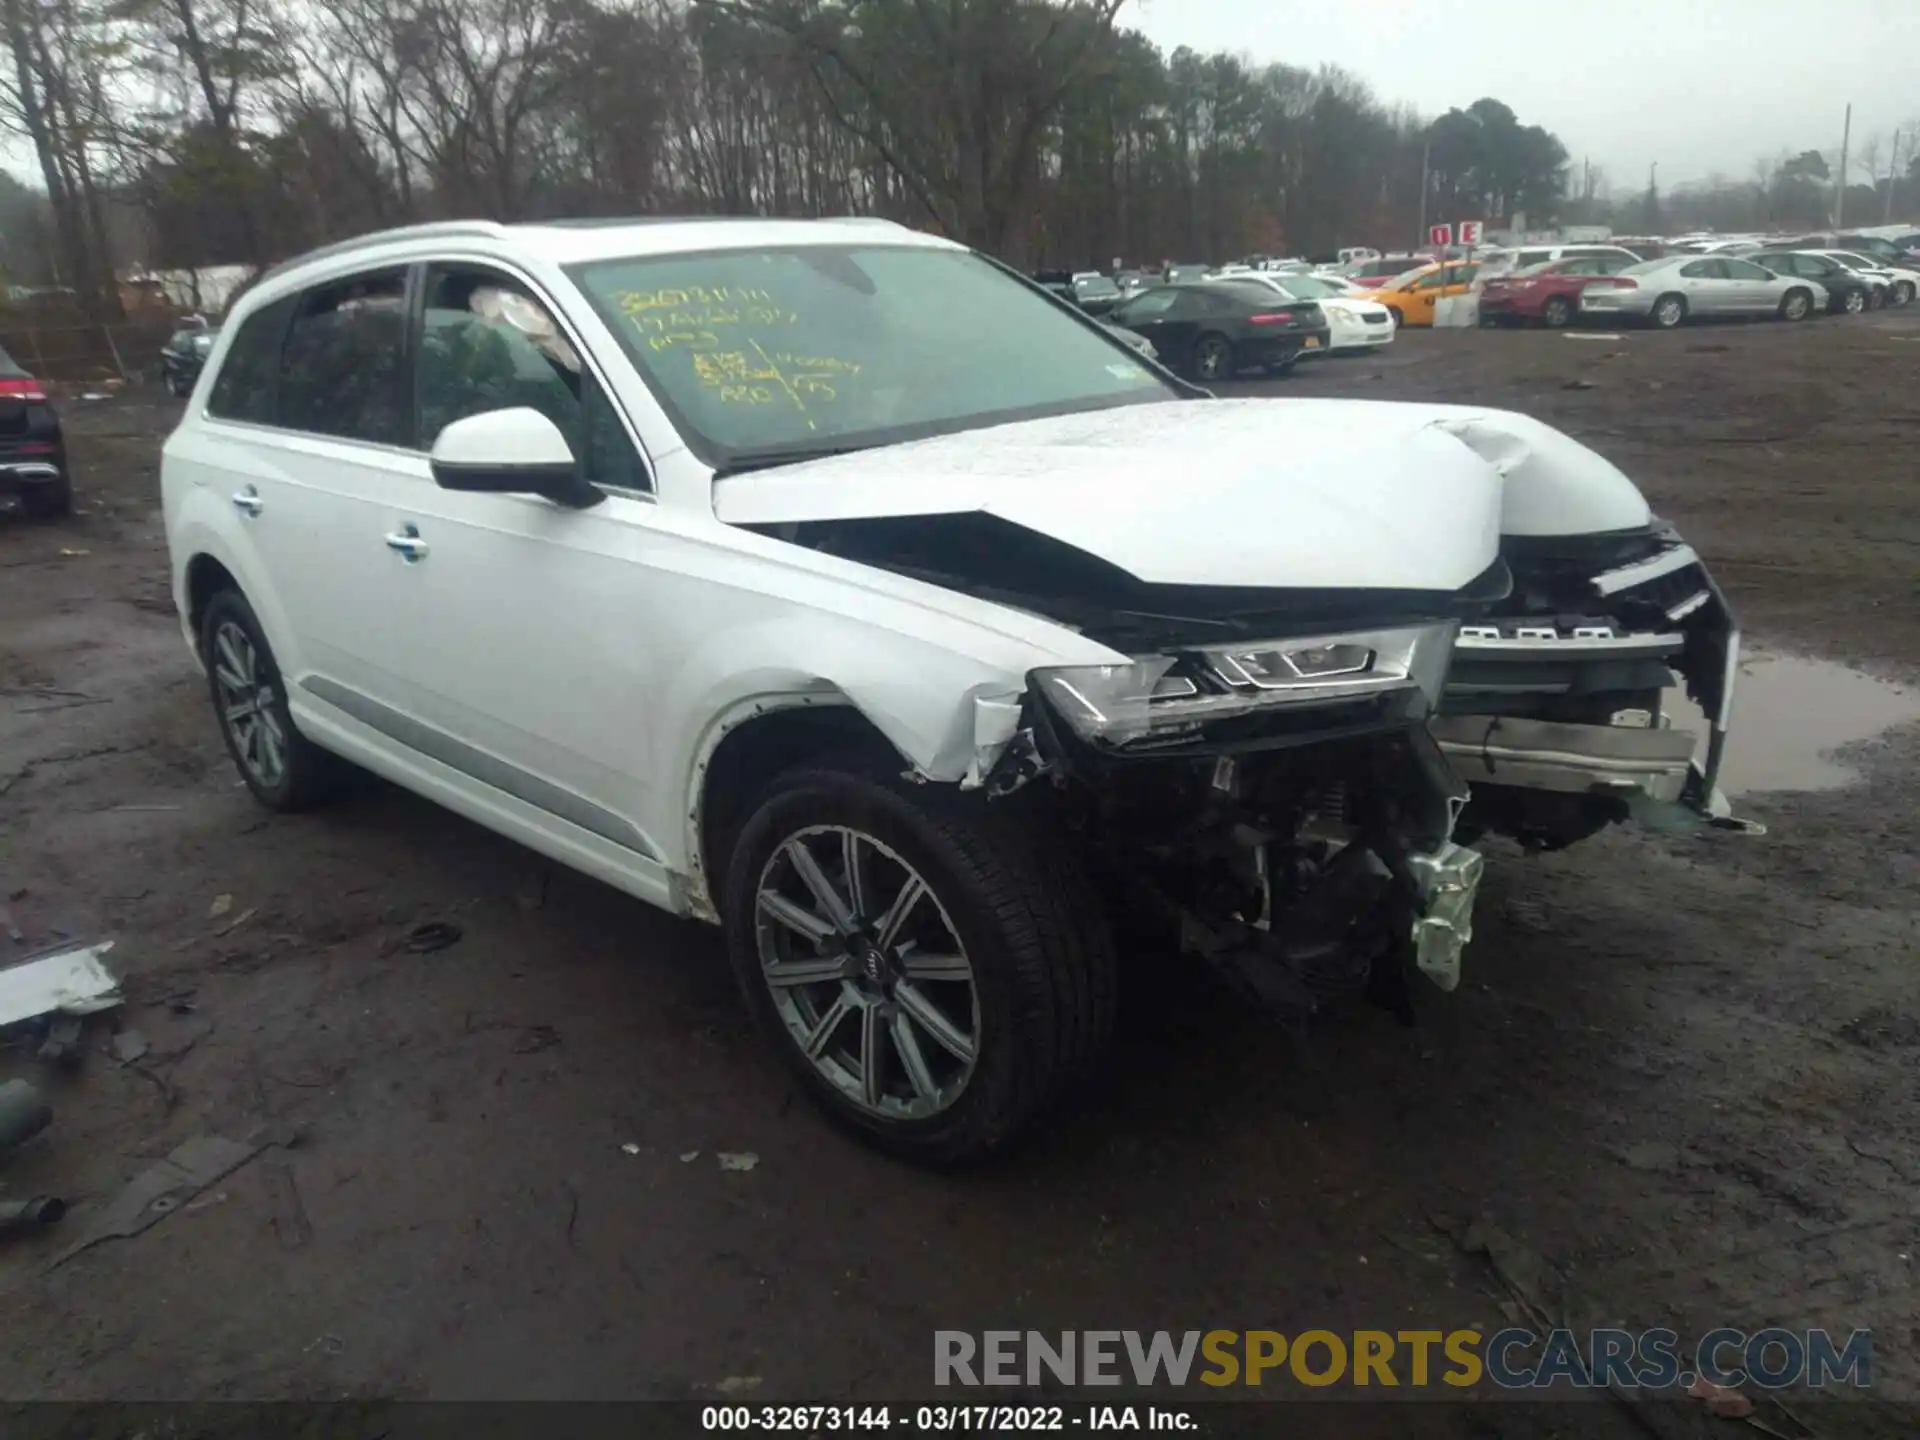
867,972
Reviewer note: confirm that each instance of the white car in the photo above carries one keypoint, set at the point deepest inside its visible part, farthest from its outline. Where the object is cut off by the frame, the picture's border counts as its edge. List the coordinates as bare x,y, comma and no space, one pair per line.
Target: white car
1353,323
824,581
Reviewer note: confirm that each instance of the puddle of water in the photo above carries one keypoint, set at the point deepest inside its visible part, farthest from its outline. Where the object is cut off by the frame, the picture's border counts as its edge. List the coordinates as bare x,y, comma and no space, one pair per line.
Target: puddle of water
1790,713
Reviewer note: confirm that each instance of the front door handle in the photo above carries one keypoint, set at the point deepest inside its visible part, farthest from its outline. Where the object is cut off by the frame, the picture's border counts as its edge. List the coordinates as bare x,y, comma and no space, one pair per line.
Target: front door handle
407,542
248,501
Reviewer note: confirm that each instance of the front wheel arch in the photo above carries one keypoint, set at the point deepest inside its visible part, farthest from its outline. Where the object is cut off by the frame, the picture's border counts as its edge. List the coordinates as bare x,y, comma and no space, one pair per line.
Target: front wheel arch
746,750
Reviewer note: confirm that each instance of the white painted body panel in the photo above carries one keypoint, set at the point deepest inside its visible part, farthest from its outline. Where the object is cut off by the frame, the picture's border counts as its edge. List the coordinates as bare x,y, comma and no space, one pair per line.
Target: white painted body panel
603,652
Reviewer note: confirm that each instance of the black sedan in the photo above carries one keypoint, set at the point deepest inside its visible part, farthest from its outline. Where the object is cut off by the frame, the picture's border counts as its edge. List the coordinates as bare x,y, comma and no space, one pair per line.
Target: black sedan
182,357
1213,331
33,451
1847,292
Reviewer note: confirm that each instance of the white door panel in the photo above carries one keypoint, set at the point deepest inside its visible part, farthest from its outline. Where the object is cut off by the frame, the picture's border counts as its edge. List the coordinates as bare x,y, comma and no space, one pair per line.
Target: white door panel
525,634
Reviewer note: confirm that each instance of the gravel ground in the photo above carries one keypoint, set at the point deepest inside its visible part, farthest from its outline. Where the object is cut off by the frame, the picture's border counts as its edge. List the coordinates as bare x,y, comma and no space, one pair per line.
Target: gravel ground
1680,1074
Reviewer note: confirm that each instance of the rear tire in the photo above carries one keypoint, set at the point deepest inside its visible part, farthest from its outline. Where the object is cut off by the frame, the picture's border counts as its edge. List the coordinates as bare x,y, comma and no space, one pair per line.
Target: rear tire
1668,311
1035,1007
1557,313
1903,292
1212,358
1796,305
284,770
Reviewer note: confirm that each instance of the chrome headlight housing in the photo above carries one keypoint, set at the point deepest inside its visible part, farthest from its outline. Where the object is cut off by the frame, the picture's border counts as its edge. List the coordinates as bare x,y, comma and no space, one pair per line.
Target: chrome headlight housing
1165,696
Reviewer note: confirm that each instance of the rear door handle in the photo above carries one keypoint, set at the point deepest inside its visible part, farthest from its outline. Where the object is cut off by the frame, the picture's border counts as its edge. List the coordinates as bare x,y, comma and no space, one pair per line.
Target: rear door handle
248,501
407,542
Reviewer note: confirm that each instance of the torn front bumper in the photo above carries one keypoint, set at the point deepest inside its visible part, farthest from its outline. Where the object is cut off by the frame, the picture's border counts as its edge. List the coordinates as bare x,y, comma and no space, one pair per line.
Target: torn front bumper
1629,628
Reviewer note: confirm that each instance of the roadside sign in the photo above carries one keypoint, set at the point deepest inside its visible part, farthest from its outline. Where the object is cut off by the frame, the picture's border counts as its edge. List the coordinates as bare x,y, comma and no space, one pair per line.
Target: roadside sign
1469,232
1441,234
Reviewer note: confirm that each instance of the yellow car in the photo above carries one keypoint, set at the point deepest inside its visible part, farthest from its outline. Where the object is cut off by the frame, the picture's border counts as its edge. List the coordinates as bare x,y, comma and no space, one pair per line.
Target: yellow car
1411,296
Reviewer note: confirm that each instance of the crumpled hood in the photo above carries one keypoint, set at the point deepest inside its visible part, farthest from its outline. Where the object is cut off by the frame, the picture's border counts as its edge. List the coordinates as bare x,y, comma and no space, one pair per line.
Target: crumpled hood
1263,493
1554,484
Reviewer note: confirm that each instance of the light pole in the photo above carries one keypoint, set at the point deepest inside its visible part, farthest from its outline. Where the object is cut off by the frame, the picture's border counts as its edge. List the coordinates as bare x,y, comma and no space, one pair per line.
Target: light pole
1426,154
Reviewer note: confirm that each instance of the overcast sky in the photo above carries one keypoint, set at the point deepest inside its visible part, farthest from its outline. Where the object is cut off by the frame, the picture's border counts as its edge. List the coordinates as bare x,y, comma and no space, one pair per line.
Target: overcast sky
1697,85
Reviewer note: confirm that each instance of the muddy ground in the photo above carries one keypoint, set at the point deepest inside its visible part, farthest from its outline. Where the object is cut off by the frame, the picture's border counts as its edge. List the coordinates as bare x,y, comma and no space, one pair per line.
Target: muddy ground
1682,1072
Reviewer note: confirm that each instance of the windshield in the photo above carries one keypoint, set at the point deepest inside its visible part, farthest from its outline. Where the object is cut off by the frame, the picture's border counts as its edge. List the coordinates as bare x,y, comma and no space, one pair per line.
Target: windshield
773,354
1306,287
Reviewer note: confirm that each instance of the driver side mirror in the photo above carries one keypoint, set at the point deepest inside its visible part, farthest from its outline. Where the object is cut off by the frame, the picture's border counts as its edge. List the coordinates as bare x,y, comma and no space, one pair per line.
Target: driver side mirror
511,452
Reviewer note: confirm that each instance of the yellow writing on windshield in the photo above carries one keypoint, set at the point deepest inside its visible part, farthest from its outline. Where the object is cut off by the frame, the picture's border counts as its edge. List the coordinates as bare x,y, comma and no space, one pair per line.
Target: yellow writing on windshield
635,302
753,376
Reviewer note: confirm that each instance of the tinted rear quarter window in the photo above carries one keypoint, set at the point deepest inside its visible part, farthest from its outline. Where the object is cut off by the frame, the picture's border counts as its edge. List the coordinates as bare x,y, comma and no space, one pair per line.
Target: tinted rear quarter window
244,388
341,369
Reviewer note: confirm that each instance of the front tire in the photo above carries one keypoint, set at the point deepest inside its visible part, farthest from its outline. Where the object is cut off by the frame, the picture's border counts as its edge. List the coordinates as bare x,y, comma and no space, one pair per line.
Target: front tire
1668,311
1796,305
1212,358
284,770
1854,302
1903,292
936,972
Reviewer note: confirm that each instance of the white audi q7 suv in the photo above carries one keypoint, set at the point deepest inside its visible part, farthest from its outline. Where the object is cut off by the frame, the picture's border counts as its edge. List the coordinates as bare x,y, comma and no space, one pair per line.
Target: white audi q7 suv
833,583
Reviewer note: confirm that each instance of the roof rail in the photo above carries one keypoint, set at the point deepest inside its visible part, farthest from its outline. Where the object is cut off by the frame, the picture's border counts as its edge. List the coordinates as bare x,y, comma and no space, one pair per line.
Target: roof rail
434,229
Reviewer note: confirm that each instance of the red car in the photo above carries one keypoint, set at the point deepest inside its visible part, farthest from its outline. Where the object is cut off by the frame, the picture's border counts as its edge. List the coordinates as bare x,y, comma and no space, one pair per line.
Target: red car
1548,293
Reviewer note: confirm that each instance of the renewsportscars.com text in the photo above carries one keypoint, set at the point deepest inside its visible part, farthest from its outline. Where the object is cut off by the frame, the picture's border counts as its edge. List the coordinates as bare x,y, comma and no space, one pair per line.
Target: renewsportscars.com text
1510,1359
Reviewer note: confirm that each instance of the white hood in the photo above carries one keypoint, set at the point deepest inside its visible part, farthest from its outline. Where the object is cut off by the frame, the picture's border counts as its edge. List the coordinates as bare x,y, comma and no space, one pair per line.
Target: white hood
1276,493
1554,484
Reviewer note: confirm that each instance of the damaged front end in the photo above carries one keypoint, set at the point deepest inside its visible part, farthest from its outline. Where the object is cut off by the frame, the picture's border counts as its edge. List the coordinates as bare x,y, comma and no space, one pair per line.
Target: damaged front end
1277,808
1558,709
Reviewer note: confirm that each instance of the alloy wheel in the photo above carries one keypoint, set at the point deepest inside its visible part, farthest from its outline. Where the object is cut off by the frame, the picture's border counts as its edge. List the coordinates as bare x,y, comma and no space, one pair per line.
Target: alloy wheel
1855,302
867,972
248,696
1667,313
1211,359
1796,307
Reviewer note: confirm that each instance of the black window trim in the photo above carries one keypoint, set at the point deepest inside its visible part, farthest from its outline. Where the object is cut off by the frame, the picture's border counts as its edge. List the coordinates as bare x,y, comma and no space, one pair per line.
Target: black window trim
409,279
414,307
416,318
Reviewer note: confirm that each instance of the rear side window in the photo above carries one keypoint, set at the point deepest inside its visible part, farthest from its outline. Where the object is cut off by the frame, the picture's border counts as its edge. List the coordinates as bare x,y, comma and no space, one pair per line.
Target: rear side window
243,390
1705,270
342,368
1532,257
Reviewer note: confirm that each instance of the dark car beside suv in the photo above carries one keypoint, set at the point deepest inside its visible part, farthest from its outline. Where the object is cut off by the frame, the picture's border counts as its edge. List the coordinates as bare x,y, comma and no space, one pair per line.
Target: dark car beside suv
33,451
182,357
1214,330
1848,291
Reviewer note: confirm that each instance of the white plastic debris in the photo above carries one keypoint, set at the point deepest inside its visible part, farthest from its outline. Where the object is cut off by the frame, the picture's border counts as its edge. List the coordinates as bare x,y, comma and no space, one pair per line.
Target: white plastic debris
73,982
1590,335
744,1160
630,1148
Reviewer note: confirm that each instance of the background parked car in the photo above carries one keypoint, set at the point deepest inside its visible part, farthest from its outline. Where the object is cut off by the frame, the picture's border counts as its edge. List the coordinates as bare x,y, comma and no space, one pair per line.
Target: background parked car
1095,293
1894,250
1848,291
1379,270
33,451
1214,330
1526,257
183,355
1667,292
1900,281
1547,293
1413,296
1353,323
1183,274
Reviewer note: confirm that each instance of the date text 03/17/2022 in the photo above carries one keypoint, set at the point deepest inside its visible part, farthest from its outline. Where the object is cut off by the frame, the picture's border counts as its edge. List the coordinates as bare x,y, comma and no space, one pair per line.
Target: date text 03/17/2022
945,1419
